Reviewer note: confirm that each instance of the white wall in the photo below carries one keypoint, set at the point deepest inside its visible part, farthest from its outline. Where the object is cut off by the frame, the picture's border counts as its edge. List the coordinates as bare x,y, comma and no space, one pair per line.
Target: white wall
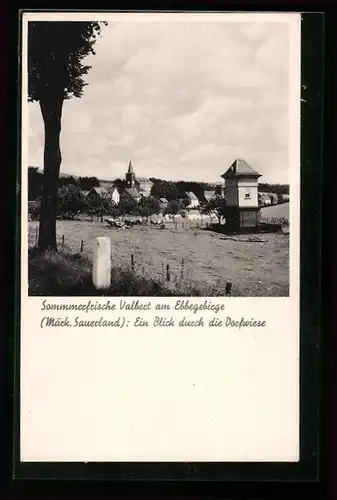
252,191
237,189
115,196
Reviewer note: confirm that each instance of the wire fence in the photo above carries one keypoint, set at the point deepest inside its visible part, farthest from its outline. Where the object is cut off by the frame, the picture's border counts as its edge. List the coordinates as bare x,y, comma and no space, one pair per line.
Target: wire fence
163,267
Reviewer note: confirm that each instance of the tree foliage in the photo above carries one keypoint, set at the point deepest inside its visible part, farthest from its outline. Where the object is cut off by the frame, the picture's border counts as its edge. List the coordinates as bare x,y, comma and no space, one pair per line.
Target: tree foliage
87,183
56,50
164,189
56,70
216,206
148,206
265,187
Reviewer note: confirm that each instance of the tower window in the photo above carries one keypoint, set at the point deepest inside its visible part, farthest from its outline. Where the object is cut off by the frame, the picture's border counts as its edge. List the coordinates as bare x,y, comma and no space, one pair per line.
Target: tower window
247,196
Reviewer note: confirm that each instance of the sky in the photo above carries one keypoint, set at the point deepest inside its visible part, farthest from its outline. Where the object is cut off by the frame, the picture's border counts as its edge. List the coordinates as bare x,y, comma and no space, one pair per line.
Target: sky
181,100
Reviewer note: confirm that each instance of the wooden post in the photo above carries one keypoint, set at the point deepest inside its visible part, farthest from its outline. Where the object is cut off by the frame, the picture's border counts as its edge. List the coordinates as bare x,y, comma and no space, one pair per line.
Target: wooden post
182,269
81,246
101,271
175,223
62,239
168,272
132,263
228,288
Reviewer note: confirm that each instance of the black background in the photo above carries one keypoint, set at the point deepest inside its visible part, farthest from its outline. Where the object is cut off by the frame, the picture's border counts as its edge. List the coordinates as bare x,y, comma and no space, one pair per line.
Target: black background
314,298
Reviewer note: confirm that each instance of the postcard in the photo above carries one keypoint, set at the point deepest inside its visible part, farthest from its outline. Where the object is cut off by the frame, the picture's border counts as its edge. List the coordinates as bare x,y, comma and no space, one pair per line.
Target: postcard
160,237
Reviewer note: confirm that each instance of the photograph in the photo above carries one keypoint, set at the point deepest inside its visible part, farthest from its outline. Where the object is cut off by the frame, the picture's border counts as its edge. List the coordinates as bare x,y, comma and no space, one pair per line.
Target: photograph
158,159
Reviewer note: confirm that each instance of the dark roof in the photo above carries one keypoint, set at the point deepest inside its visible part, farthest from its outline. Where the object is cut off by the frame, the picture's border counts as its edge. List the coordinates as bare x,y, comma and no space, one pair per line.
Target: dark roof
133,192
99,190
240,168
192,196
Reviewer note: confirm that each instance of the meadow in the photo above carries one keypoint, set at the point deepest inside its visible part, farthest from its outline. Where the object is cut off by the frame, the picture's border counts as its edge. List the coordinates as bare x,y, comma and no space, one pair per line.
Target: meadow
280,211
256,265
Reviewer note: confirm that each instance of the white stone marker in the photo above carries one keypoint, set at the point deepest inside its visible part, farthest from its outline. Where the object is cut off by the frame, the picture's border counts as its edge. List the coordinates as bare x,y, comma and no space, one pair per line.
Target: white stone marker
101,271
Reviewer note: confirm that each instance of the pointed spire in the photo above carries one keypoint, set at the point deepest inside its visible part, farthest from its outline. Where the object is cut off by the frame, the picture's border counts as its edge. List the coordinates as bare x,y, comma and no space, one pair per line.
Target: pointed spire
130,170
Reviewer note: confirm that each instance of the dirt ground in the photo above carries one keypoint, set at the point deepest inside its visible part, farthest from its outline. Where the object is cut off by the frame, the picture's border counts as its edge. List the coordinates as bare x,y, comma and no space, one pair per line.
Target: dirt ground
199,256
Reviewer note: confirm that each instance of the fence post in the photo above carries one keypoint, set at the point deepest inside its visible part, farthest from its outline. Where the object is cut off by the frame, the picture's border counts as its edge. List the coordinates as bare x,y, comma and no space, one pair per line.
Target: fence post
182,269
175,223
62,239
81,246
168,272
228,288
101,271
132,263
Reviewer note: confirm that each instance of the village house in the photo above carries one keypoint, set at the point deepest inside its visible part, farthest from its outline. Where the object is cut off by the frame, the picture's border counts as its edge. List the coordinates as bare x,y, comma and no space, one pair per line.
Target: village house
97,193
163,203
264,199
193,199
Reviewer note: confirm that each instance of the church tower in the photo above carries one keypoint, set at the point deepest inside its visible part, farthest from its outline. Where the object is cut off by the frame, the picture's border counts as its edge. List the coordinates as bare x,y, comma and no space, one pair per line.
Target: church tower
130,176
241,193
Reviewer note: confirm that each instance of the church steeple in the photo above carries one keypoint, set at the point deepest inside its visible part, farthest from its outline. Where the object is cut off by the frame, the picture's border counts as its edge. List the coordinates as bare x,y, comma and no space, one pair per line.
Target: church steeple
130,176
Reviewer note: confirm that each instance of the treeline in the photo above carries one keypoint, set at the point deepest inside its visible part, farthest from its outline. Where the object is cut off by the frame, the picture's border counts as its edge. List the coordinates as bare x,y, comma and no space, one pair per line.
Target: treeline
177,190
265,187
35,180
72,203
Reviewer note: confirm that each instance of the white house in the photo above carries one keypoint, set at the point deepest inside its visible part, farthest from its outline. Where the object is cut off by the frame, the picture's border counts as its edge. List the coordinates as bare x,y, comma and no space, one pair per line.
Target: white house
194,202
115,196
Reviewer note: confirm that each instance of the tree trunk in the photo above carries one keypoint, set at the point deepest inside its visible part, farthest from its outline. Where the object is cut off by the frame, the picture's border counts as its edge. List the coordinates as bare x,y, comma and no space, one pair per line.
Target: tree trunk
51,109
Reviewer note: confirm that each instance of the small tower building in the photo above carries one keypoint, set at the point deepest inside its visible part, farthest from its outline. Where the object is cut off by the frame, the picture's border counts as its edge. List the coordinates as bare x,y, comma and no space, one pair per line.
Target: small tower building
130,176
241,192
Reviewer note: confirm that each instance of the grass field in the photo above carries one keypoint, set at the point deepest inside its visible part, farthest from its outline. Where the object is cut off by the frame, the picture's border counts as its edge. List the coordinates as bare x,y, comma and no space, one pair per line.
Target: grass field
209,259
280,211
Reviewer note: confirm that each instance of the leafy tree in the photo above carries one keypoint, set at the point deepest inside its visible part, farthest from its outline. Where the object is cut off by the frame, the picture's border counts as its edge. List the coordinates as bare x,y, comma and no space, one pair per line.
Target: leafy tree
71,200
164,189
120,183
173,207
216,206
87,183
148,206
128,205
68,181
56,51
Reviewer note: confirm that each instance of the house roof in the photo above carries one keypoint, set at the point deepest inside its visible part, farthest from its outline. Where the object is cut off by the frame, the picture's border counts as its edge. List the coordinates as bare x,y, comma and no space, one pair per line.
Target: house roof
99,190
240,168
163,200
192,196
145,193
133,192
